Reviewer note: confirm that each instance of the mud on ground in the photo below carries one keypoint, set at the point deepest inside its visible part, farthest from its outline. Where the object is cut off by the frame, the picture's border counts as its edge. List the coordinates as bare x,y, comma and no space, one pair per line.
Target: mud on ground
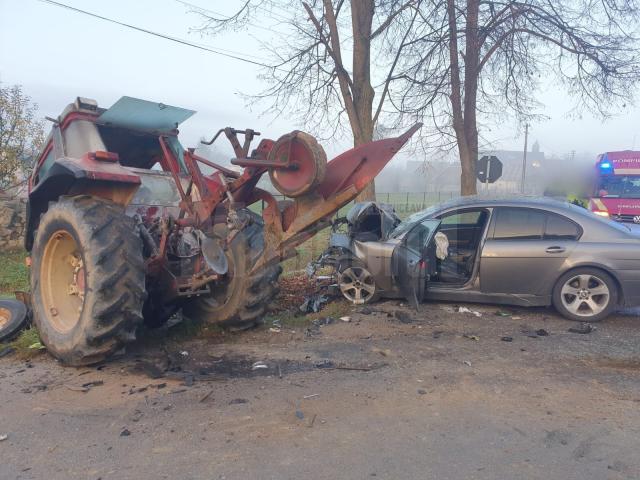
392,393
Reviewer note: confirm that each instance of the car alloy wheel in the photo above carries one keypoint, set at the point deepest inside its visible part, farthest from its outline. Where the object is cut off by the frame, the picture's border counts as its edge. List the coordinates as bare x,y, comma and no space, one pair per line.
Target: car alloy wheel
357,284
585,295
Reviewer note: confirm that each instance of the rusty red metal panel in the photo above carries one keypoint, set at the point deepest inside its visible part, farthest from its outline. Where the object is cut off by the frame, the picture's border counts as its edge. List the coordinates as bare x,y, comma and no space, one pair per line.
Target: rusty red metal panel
359,166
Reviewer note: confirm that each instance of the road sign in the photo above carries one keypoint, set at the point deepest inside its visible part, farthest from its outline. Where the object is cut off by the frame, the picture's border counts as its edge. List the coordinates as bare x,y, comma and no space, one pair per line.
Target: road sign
488,169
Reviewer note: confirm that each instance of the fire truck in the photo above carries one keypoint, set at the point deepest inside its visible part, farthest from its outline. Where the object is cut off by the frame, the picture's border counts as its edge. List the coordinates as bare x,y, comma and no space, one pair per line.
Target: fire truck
616,193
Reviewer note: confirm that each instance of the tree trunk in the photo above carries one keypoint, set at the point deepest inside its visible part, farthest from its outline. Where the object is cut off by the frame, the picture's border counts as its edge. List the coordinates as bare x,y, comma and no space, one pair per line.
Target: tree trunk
363,93
468,185
467,161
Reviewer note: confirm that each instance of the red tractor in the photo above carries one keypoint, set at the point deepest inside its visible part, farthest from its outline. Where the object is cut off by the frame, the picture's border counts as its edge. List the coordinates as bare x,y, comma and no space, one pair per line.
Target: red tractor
124,227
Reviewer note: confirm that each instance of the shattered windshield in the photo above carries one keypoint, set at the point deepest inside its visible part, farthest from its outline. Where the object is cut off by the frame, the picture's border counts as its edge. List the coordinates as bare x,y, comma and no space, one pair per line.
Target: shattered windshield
408,222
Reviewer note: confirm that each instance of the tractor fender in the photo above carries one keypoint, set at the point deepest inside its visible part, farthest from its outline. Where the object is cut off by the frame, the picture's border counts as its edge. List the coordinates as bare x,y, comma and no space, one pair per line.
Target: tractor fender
111,182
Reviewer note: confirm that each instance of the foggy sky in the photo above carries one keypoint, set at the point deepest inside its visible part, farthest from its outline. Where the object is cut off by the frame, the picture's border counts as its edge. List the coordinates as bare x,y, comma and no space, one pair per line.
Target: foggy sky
57,55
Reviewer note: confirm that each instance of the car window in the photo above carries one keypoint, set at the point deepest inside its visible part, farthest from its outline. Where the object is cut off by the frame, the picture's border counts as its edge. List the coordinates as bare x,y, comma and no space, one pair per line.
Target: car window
463,218
560,228
518,224
418,236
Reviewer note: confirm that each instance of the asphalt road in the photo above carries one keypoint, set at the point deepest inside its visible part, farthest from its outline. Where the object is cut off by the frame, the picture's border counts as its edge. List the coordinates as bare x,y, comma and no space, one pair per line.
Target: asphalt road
443,396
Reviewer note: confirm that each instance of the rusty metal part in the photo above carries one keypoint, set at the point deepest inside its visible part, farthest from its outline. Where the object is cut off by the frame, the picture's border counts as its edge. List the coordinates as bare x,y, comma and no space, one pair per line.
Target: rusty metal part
232,136
228,172
298,164
347,175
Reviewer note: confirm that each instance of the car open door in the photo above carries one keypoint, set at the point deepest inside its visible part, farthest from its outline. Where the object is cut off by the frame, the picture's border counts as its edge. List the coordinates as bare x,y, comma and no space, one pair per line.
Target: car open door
410,263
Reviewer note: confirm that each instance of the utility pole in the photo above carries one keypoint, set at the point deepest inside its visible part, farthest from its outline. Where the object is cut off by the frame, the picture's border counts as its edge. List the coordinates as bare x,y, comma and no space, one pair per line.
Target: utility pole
524,157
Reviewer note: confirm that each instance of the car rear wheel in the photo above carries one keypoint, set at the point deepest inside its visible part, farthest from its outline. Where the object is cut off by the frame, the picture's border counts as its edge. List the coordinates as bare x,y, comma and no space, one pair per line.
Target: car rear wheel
585,294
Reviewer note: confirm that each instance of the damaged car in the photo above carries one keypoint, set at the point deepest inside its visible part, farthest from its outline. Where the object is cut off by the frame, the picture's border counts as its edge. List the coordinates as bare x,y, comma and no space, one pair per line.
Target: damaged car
514,251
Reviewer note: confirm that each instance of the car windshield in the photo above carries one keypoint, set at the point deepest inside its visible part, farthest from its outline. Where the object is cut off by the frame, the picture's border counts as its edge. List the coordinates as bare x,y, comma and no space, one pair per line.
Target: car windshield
623,186
408,222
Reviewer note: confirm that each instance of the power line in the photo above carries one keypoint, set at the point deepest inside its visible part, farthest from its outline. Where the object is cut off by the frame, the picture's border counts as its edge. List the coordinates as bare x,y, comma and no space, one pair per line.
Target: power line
157,34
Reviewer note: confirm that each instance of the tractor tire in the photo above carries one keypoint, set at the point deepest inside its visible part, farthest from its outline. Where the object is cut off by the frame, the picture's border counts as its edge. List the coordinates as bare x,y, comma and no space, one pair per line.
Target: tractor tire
87,280
241,300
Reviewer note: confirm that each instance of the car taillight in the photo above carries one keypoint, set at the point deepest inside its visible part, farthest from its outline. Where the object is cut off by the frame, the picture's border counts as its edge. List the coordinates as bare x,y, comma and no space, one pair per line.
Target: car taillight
104,156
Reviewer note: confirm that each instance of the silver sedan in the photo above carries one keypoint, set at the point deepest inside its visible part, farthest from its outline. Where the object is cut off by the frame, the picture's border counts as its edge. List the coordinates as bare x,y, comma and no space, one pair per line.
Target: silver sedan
523,251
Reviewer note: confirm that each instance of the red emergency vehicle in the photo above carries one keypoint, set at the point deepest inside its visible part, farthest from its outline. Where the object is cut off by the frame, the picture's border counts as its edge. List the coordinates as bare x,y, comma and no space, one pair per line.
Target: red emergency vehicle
617,186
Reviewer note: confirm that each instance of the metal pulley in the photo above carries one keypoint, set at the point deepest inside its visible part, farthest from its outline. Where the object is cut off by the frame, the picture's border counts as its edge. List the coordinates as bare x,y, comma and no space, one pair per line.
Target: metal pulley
303,164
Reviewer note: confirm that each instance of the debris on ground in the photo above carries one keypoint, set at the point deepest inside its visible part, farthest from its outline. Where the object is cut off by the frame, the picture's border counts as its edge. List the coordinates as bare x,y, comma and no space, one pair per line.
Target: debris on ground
238,401
345,319
314,329
516,317
206,396
323,321
583,328
299,414
366,310
422,391
75,388
37,346
93,383
384,352
313,303
3,437
500,313
306,397
293,290
471,337
531,333
506,339
259,365
403,316
313,420
467,363
324,364
275,330
125,433
468,310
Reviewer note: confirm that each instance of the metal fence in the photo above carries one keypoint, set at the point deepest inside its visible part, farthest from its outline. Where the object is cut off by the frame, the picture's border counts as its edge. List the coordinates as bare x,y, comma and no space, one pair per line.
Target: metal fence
405,203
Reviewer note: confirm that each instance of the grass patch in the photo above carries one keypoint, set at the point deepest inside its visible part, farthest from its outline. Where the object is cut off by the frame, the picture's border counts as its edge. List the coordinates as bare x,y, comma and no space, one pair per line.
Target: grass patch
14,274
23,342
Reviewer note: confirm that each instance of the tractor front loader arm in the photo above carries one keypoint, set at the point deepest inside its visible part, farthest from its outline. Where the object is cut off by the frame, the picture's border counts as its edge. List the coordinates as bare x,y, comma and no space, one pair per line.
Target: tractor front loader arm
346,176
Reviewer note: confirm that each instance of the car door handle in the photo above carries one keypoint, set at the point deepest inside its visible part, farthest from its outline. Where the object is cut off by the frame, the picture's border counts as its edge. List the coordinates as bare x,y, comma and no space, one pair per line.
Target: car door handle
555,249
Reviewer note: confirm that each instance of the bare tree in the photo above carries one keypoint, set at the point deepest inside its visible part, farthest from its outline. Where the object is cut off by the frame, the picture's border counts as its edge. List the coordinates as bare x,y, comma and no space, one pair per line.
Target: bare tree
21,134
311,74
477,58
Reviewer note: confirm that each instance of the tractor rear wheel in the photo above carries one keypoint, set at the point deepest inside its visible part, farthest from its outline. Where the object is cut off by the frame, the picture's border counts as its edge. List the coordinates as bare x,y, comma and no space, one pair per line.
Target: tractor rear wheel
87,279
240,300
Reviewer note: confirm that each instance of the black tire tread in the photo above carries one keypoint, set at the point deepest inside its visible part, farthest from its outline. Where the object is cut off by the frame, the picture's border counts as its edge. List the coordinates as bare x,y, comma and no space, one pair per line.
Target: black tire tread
118,274
257,290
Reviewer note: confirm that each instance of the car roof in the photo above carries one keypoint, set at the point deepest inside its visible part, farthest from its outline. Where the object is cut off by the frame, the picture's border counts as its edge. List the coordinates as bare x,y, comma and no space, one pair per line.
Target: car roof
594,227
503,201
